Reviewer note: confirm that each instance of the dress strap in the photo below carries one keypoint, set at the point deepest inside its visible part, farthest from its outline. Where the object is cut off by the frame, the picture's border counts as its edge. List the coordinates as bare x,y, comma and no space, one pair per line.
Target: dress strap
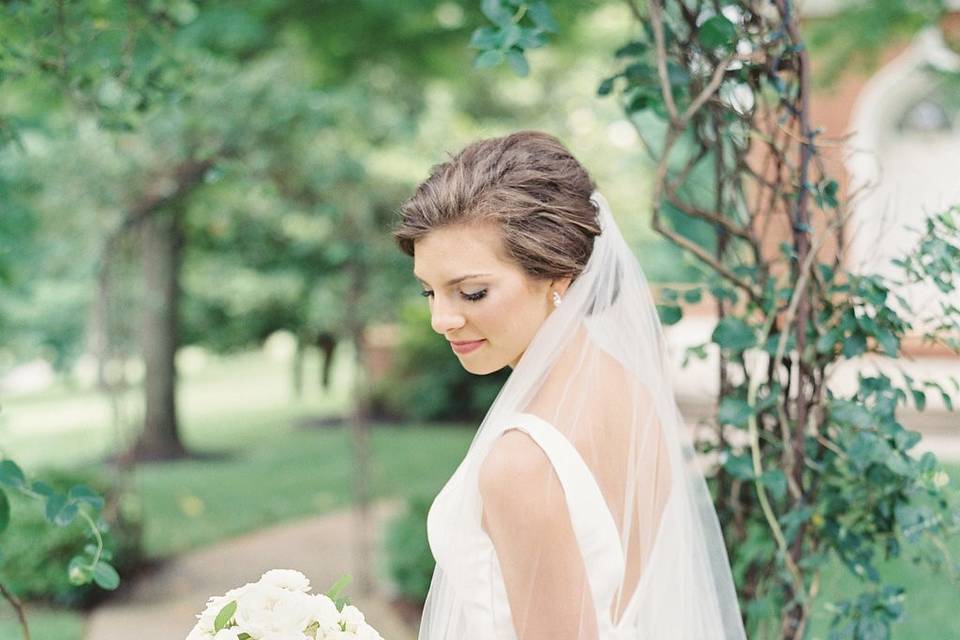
593,524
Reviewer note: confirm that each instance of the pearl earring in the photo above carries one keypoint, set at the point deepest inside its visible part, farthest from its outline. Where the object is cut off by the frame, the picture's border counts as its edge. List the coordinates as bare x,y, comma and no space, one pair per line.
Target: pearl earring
556,299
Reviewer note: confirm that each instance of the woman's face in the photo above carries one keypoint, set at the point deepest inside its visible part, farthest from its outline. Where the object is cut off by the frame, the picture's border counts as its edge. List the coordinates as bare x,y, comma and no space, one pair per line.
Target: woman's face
476,295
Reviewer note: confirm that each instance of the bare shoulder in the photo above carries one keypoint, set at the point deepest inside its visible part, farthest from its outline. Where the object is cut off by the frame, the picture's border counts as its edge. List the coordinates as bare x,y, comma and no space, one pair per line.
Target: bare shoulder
516,473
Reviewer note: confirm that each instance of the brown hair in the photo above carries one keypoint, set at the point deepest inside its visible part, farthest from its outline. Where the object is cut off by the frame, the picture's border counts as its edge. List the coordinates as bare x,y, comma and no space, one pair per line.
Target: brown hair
526,182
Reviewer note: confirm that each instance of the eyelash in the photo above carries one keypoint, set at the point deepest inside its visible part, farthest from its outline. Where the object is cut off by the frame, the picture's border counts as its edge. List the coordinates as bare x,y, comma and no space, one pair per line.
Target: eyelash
471,297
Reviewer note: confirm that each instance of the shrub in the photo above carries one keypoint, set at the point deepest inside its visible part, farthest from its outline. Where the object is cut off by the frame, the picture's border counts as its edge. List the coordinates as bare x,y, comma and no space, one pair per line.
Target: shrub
409,560
34,556
426,381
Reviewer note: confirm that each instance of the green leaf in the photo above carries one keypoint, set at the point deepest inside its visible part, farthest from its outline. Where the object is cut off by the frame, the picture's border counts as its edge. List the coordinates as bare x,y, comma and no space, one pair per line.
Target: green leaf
486,38
775,481
518,62
734,334
826,342
889,343
692,296
488,59
67,514
540,13
106,576
4,511
42,488
717,31
606,87
11,475
669,314
734,411
855,345
496,13
846,412
55,504
225,615
334,591
635,48
740,467
83,493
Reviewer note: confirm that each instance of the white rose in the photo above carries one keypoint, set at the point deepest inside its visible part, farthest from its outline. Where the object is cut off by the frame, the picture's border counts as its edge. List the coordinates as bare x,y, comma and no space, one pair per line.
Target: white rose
294,613
286,579
324,613
351,617
199,633
366,632
280,635
227,634
255,609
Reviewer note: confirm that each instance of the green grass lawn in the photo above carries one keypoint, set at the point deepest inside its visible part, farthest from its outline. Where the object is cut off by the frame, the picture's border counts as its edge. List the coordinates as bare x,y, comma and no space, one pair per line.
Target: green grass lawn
270,468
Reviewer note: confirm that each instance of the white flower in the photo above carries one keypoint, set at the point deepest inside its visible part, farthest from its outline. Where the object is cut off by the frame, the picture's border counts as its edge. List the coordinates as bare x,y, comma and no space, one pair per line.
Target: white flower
351,617
325,613
366,632
227,634
286,579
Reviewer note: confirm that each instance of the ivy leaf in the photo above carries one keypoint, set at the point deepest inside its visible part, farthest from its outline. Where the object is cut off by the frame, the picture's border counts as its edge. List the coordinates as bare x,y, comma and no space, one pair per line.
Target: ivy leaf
488,59
83,493
775,481
635,48
540,13
106,576
11,474
4,511
518,62
717,31
55,504
734,334
734,411
606,87
496,13
669,314
223,618
486,38
855,345
740,467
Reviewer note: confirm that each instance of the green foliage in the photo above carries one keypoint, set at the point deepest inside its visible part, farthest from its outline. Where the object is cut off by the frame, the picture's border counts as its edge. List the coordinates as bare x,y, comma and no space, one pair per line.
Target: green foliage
518,26
857,33
40,558
814,476
409,560
442,391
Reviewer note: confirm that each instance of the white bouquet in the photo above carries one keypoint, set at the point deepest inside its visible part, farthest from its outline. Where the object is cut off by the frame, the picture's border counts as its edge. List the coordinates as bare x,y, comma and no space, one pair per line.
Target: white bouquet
280,607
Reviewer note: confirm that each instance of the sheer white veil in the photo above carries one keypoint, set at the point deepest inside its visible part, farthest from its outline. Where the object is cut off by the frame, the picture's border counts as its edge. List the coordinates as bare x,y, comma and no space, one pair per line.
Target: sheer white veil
593,391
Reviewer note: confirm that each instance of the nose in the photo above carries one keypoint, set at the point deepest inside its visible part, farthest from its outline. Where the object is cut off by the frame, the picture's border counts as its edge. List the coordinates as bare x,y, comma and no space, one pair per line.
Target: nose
444,319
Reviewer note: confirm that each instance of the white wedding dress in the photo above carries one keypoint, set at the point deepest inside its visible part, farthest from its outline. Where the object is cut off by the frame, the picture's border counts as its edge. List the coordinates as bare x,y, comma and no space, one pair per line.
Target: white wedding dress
479,583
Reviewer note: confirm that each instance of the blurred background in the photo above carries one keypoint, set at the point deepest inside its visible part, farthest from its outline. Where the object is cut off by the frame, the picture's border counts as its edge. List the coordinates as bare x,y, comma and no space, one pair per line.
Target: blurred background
203,315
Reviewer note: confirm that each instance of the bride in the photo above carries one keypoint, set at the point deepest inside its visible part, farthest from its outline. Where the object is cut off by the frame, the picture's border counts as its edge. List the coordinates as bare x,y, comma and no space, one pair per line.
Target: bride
578,512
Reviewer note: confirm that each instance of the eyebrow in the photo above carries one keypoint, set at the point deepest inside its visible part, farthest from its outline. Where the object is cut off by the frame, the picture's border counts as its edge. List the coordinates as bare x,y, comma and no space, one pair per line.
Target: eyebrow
450,283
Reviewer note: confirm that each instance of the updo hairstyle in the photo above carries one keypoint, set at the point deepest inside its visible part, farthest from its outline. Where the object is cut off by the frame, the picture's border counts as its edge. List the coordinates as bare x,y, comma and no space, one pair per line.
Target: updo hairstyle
529,185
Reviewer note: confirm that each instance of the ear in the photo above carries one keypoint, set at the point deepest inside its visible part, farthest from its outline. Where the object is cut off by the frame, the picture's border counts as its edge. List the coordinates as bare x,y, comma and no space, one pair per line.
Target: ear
560,285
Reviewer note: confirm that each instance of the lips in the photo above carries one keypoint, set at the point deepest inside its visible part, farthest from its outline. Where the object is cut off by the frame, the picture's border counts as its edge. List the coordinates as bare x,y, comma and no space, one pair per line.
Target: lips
466,346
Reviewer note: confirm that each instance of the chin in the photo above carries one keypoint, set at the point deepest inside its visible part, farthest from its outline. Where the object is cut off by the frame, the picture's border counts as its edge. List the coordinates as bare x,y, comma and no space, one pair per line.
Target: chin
482,368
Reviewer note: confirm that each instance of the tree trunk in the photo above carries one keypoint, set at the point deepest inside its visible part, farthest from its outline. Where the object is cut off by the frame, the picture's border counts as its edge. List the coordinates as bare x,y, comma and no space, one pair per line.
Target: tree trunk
162,242
327,343
360,428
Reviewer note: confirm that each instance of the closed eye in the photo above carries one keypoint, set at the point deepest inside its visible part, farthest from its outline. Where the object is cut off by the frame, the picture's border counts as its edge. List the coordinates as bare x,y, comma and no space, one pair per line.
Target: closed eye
472,297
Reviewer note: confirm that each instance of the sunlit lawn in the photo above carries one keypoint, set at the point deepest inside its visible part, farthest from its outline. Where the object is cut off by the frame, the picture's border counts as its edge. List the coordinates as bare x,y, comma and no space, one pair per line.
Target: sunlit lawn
271,468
